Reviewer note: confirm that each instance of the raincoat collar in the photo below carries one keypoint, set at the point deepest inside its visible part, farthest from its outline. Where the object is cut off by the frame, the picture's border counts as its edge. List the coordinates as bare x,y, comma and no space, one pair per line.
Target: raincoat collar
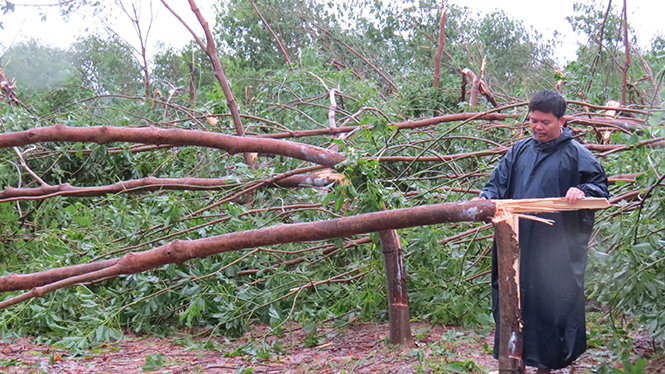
566,135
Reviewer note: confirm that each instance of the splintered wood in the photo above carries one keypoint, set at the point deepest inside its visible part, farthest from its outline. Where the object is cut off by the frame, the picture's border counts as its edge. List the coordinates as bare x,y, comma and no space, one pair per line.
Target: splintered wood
549,205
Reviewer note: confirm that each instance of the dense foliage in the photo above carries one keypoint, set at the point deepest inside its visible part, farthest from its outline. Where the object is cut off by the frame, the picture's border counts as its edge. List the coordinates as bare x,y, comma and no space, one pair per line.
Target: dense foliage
98,82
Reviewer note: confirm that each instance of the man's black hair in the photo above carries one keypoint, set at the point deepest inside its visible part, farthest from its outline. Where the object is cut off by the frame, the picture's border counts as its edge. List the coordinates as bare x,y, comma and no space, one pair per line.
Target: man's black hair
548,102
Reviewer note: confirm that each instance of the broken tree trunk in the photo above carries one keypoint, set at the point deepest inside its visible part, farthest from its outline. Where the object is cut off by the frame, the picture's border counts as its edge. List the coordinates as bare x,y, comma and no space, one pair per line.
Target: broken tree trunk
398,299
442,43
506,237
180,251
7,89
627,60
509,327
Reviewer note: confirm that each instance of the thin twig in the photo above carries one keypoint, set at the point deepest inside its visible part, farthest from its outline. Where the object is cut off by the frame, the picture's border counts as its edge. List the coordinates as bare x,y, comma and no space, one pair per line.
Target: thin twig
357,54
641,205
279,42
25,166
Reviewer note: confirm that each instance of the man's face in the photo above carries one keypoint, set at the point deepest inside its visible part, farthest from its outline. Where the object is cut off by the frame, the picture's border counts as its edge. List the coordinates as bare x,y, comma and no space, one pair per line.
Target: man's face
545,126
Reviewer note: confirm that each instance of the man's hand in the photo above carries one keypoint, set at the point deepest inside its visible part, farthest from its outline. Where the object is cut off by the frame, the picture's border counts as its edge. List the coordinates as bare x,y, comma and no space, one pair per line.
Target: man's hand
573,195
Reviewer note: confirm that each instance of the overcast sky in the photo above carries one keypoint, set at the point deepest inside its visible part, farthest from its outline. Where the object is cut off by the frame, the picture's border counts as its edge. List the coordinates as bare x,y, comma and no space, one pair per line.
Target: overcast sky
645,16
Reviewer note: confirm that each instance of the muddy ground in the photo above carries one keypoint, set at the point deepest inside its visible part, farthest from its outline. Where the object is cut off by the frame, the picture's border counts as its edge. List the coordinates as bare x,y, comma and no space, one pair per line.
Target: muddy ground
356,348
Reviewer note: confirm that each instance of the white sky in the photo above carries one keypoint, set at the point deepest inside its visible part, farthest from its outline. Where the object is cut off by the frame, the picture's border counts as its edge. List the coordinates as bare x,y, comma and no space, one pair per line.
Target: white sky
645,17
26,22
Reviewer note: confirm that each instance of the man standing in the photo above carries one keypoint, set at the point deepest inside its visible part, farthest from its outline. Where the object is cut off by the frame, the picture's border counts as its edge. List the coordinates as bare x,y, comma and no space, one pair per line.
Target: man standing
553,258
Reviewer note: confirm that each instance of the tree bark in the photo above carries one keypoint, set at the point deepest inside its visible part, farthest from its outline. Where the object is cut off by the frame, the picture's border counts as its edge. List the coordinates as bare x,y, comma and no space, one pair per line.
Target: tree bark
467,76
594,63
180,251
7,89
626,62
623,124
398,299
154,135
400,125
211,51
509,327
442,43
475,85
192,76
603,107
649,74
153,184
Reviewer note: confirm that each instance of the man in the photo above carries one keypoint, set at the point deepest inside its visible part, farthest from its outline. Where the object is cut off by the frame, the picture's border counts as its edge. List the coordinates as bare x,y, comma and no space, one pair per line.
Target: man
553,258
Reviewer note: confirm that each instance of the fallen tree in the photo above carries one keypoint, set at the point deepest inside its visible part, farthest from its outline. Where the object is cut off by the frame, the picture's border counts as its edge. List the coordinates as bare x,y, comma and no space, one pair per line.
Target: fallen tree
180,251
157,136
155,184
319,179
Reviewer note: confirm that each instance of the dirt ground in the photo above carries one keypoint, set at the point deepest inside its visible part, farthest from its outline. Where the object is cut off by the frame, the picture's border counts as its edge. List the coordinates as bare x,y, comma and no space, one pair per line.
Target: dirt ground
356,348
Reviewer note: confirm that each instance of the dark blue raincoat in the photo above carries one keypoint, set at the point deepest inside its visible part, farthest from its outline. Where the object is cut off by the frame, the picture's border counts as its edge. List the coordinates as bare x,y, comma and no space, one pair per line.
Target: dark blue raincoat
553,258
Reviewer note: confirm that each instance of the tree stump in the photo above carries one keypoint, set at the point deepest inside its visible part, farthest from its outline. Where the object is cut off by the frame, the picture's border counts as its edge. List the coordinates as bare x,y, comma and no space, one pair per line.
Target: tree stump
506,236
398,299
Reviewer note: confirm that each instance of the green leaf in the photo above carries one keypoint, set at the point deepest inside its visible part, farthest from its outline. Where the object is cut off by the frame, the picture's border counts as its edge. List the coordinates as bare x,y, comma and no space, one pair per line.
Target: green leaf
153,362
656,118
639,366
633,140
273,313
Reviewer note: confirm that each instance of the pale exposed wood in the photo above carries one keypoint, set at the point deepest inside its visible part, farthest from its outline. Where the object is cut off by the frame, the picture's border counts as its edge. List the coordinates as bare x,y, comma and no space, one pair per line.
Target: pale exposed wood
534,218
548,205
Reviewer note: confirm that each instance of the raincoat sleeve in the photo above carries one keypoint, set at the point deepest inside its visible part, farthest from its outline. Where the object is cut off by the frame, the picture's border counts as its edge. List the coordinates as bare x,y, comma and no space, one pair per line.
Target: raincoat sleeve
497,186
592,176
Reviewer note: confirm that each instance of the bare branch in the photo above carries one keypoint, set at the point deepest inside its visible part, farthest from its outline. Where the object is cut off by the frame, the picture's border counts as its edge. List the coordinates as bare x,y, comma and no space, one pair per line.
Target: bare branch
357,54
156,184
594,63
180,251
279,42
25,166
442,43
196,37
157,136
627,60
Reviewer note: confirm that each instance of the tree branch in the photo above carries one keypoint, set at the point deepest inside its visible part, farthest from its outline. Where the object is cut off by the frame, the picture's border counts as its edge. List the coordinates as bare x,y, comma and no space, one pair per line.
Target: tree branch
155,184
594,63
211,51
627,60
357,54
157,136
180,251
279,42
442,43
